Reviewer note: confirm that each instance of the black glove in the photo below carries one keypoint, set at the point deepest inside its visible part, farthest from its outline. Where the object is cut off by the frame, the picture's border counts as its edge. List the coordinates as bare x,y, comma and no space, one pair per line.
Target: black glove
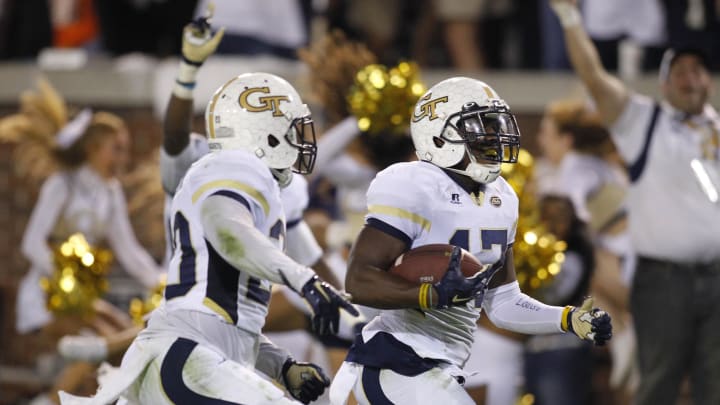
454,289
304,381
590,323
325,303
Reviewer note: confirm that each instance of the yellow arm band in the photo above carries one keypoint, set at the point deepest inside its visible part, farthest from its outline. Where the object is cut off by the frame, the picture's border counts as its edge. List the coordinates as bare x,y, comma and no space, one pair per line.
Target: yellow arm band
564,319
423,296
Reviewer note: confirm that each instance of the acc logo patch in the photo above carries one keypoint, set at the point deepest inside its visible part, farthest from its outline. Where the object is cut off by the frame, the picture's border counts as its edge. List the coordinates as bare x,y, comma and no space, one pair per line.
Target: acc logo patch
428,109
495,201
266,103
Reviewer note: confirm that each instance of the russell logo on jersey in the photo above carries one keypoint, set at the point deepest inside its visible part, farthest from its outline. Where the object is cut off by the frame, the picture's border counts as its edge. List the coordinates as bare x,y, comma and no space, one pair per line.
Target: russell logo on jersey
495,201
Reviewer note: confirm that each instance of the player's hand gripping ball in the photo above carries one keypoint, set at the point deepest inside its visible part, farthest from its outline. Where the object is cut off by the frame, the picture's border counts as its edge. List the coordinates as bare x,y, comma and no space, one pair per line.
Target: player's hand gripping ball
429,263
454,273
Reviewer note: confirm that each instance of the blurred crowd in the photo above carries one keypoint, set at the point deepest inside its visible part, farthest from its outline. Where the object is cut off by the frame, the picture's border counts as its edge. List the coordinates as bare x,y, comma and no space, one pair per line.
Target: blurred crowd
466,35
577,181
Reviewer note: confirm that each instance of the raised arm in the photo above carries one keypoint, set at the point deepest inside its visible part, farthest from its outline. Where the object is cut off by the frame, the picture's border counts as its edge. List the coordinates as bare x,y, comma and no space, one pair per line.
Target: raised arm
608,92
198,44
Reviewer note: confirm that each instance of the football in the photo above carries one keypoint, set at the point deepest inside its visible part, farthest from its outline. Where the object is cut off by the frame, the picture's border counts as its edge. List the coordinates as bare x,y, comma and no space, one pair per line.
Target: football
428,264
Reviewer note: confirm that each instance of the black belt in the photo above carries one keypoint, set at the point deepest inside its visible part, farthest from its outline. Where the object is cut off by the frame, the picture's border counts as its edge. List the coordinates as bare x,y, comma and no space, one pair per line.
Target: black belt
700,268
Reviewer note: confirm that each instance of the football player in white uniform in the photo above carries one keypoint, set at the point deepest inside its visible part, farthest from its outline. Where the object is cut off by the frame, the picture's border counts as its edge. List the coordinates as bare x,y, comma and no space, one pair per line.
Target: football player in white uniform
181,148
413,352
203,344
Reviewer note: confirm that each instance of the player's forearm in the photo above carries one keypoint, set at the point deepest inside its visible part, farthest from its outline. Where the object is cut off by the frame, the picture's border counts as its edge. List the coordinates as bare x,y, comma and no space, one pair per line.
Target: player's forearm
508,308
271,358
177,125
584,56
322,269
373,287
608,92
178,117
230,230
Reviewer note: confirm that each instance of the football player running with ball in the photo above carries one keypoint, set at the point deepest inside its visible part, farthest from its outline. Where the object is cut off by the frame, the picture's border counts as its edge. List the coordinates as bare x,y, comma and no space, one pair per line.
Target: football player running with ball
413,352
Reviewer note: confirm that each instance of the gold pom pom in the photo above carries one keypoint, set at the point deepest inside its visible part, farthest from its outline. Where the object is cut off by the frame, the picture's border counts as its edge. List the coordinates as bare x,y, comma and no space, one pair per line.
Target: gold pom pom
383,100
78,278
140,308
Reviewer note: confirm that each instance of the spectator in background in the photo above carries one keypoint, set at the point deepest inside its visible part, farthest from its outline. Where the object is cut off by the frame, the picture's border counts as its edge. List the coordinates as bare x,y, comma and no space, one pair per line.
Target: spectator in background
156,25
580,161
467,24
610,21
74,23
558,368
461,19
554,56
248,26
695,22
25,28
671,148
81,194
374,22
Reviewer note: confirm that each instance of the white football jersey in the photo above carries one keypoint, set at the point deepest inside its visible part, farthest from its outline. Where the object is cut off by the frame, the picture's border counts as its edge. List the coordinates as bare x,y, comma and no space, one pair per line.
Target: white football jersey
173,169
419,202
198,278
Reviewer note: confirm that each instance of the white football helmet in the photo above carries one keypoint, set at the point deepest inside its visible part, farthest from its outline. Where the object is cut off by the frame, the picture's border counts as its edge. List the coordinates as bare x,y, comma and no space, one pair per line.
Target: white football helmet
462,116
263,114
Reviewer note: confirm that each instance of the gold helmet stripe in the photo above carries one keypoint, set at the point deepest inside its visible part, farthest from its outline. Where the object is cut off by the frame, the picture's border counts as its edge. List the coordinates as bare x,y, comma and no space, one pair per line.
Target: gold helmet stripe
490,93
210,115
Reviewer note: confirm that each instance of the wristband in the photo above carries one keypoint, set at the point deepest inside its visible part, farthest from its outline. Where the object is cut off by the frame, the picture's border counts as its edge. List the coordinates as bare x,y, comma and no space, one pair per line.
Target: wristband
565,321
423,296
568,14
185,82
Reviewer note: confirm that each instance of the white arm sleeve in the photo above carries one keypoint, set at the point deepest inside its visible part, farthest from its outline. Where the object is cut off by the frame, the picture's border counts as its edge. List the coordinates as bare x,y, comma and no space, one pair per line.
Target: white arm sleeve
301,246
508,308
34,245
271,358
134,259
230,229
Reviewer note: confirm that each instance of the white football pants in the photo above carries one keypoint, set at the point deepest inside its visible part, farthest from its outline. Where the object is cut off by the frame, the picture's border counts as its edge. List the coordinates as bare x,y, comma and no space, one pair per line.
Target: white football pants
190,373
385,387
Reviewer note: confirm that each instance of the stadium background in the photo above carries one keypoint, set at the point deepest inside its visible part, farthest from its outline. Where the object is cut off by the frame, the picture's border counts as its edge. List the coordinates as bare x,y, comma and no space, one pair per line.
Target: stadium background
136,86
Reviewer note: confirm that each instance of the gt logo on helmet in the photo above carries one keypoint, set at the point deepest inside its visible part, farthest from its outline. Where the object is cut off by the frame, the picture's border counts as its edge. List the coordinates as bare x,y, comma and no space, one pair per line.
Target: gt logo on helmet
267,103
428,109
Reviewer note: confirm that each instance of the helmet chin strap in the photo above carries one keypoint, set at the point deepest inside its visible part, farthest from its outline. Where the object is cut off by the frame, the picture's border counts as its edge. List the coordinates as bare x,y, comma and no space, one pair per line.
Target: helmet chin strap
283,176
480,172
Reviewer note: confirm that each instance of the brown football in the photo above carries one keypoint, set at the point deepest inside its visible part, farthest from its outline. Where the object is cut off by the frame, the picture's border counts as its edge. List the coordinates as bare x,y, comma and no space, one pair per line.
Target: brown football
428,264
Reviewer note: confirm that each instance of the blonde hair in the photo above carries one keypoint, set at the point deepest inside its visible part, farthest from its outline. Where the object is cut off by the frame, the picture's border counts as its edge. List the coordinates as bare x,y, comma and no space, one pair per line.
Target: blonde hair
103,125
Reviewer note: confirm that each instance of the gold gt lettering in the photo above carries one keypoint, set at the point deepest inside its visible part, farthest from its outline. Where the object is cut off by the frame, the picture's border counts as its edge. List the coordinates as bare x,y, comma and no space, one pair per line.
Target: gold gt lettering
428,109
267,103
